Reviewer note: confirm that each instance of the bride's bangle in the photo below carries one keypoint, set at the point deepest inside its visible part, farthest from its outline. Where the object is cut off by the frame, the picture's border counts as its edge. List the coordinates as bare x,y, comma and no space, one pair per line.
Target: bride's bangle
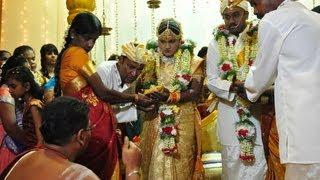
133,172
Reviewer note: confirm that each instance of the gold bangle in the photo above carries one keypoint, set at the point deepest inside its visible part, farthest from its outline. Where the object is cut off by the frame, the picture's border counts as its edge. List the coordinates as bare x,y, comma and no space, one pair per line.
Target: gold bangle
133,172
174,97
178,96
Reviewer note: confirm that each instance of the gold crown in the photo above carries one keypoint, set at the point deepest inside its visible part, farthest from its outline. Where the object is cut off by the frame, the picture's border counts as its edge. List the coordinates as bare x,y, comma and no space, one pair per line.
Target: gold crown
168,33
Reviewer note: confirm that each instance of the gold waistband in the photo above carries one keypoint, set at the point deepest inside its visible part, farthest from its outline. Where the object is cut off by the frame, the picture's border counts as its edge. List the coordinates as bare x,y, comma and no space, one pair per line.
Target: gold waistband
75,85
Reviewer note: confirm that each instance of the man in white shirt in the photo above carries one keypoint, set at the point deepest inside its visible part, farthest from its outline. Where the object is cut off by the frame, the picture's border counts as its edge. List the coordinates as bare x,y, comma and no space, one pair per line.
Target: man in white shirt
228,60
117,75
289,57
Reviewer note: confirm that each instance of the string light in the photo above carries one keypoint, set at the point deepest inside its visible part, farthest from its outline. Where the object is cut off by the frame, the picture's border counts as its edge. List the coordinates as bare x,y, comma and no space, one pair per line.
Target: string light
104,25
135,23
45,23
4,13
193,6
174,9
117,24
24,23
153,4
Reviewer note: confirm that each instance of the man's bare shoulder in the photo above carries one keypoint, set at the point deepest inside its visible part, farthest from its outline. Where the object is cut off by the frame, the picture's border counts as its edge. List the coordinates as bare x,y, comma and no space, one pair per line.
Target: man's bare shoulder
77,171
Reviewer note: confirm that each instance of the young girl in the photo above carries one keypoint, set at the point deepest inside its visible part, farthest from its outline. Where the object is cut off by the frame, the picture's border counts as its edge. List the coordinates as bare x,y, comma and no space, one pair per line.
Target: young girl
49,54
22,85
12,136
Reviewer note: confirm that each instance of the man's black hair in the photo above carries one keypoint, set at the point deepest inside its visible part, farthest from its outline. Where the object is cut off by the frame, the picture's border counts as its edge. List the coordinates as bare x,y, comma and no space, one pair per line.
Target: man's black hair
316,9
62,118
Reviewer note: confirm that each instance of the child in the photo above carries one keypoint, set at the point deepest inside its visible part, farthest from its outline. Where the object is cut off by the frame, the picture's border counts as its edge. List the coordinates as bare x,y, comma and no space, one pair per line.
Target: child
12,136
22,85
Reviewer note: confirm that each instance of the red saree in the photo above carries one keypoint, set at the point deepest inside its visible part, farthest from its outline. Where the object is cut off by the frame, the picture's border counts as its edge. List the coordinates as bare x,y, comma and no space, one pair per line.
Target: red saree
101,155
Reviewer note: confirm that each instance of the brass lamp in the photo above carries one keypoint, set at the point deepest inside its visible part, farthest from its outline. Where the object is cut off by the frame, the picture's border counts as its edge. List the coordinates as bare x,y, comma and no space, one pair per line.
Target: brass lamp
154,4
77,6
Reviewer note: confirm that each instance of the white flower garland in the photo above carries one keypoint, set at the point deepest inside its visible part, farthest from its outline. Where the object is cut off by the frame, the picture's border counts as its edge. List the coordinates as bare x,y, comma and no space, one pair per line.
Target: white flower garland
179,82
182,68
229,69
168,129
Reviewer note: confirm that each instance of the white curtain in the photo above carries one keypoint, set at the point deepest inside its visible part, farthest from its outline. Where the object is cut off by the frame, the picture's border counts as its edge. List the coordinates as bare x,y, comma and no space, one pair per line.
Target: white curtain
36,22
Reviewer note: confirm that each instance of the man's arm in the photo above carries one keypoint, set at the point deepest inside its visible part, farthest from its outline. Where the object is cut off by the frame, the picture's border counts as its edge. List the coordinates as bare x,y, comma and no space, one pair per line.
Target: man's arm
131,157
215,84
264,71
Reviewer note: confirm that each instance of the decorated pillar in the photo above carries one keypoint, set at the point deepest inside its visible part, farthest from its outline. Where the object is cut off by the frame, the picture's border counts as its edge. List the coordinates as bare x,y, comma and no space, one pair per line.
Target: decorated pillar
77,6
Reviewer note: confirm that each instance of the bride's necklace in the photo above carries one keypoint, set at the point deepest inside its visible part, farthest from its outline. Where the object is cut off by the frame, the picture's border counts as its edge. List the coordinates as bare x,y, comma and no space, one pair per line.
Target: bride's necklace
166,59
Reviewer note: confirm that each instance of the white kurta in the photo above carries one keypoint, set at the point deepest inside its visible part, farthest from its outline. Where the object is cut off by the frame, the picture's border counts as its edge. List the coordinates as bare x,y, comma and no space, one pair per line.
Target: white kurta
227,111
289,56
110,76
232,167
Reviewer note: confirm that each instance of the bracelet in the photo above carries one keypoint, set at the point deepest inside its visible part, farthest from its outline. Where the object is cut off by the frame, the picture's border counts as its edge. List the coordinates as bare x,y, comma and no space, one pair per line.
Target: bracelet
134,172
174,97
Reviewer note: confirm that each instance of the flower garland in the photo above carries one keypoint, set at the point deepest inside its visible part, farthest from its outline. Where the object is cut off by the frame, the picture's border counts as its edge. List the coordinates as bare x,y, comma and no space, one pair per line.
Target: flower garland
182,71
168,128
179,82
148,75
182,68
230,69
245,131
